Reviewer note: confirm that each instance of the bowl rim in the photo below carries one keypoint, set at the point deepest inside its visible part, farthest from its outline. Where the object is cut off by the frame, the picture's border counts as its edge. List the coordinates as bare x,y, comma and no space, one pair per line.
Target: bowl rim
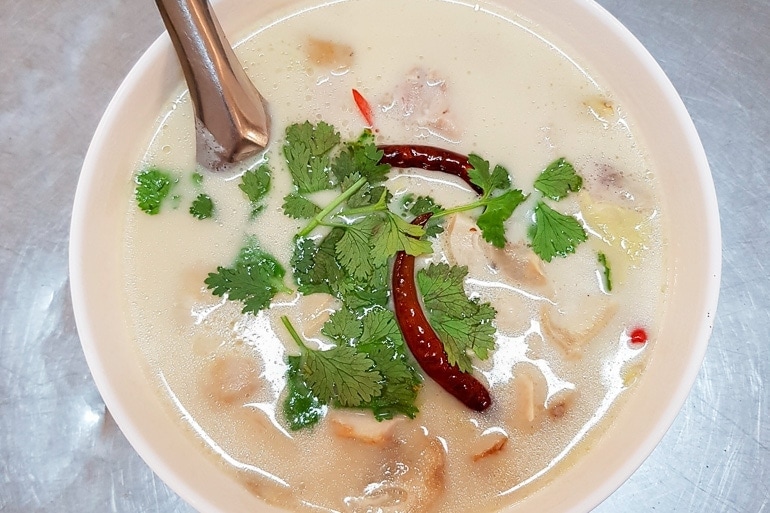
160,50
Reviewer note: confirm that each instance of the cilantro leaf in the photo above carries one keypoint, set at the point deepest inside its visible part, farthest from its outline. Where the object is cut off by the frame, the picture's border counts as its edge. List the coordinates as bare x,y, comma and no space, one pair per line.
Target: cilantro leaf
401,381
353,250
464,325
553,233
360,159
383,343
606,271
255,184
369,369
152,187
379,324
255,279
202,207
301,407
442,288
315,266
489,182
341,375
558,179
369,195
299,207
393,234
497,198
498,210
358,295
343,327
307,150
422,205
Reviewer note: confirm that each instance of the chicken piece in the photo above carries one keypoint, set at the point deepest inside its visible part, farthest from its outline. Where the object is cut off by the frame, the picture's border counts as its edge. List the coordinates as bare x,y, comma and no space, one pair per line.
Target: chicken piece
412,481
230,379
572,342
422,100
515,263
491,441
362,427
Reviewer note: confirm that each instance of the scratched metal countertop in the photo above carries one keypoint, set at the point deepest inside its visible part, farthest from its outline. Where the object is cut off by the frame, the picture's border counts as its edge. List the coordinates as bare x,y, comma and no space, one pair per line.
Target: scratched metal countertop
60,451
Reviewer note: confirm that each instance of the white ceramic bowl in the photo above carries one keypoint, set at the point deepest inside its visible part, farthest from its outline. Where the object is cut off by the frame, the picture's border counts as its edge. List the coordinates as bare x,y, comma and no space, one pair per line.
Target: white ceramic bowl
694,238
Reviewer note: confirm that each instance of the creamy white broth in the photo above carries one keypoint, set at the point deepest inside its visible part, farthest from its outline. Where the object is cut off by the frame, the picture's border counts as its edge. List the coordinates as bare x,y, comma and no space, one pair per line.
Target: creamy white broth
515,99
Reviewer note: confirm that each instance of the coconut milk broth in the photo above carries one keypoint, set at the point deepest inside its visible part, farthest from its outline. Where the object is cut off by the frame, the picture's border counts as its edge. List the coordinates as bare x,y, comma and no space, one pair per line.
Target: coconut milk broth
513,98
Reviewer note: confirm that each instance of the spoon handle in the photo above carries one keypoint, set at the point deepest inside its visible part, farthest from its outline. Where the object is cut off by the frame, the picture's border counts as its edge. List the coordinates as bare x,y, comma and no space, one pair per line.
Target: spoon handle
232,123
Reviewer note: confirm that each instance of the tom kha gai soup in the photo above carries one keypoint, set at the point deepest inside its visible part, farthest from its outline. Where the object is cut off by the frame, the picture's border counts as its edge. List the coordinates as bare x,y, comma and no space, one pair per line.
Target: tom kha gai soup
435,288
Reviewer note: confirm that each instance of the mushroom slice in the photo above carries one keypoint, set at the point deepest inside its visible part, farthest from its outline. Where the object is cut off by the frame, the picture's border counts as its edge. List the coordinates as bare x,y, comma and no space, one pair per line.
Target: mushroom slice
413,481
530,390
561,403
361,427
573,342
491,441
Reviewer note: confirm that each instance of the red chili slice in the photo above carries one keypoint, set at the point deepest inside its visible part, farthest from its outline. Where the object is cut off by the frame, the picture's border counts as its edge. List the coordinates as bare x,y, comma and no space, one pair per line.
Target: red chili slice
422,340
364,107
638,337
428,158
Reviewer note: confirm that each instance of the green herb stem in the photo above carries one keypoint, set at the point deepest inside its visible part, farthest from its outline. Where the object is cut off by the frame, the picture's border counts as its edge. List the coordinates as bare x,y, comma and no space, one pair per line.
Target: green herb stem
318,219
290,328
461,208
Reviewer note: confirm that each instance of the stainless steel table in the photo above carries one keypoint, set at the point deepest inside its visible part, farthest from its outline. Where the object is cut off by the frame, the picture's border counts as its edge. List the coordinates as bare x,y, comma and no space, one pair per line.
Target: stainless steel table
61,61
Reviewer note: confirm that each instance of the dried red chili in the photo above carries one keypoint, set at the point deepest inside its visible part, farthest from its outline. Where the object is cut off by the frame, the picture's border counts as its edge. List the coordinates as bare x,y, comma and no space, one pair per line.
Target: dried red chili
428,158
424,343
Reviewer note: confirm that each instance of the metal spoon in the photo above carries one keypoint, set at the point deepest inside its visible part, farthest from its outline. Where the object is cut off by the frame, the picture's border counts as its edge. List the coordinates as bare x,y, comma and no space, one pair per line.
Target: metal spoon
231,120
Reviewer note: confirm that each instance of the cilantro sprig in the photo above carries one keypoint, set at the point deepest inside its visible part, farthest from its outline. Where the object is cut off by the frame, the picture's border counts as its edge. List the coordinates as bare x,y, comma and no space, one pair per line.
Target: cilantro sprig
367,369
351,261
254,279
558,180
255,184
153,186
498,200
553,233
202,207
464,325
307,150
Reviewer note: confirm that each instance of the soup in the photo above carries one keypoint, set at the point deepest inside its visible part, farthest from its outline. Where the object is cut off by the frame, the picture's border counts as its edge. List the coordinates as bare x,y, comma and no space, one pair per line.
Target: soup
543,281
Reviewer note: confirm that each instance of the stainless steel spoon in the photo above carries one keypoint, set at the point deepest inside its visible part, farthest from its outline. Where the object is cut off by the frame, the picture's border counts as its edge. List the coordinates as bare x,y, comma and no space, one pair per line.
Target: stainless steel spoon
232,123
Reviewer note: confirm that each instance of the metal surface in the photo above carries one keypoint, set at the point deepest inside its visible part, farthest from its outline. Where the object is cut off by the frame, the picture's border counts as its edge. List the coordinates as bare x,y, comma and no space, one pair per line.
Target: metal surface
60,63
231,120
